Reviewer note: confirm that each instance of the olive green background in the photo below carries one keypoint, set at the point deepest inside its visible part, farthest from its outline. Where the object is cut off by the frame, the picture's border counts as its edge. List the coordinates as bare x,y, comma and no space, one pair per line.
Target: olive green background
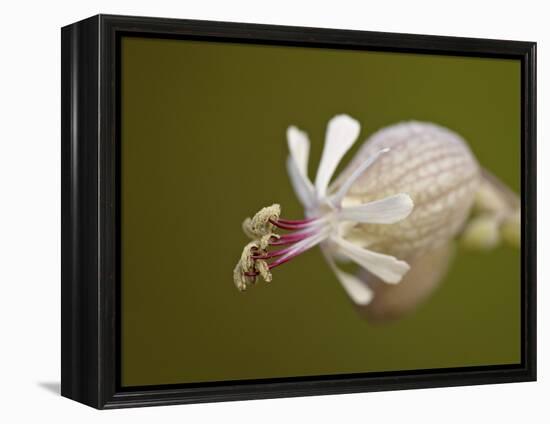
203,146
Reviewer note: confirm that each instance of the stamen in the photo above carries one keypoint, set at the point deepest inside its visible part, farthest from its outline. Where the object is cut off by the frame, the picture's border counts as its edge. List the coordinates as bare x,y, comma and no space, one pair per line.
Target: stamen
268,239
305,233
274,254
297,226
241,279
246,226
276,263
301,246
261,224
263,270
296,221
283,260
291,252
310,223
291,238
247,263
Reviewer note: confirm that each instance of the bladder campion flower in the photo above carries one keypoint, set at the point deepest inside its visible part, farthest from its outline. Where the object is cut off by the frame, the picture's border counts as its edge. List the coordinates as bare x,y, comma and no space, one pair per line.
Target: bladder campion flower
366,214
328,221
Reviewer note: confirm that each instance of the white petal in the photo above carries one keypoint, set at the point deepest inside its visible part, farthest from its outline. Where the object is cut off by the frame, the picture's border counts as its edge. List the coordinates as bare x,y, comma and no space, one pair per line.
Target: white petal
298,145
342,131
356,289
300,183
384,211
386,267
337,197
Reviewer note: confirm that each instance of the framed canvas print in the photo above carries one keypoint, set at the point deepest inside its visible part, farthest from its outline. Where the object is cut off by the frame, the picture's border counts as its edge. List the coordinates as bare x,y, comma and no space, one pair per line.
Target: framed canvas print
254,211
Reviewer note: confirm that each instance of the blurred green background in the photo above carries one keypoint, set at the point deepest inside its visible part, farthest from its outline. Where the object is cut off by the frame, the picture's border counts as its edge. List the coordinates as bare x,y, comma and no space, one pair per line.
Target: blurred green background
203,146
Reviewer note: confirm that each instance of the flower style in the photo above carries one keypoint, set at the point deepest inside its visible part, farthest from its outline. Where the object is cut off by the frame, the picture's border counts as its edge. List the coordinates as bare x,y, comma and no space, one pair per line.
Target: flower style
328,220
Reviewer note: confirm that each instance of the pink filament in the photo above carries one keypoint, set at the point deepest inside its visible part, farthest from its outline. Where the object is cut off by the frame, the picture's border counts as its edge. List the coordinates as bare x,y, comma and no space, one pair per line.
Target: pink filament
288,239
297,221
291,238
294,226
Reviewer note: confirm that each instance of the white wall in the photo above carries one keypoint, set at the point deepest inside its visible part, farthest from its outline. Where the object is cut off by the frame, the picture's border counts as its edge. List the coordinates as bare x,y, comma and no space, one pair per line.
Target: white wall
29,224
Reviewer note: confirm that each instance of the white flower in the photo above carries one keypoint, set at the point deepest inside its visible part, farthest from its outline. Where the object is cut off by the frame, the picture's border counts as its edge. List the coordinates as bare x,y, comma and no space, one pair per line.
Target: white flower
327,220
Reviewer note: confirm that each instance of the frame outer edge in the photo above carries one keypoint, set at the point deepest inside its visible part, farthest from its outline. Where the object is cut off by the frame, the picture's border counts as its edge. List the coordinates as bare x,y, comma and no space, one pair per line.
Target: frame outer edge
80,339
89,219
530,227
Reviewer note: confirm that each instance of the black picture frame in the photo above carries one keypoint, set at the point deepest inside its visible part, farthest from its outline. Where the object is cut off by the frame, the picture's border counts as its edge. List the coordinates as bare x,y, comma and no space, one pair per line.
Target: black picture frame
90,211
